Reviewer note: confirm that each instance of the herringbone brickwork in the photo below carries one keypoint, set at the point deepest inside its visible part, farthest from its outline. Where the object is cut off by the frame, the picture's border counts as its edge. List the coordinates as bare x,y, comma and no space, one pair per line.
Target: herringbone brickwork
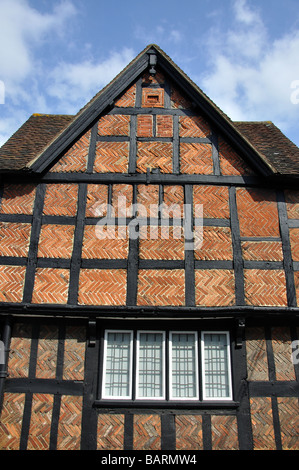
188,432
120,192
230,162
14,239
61,199
154,155
74,353
114,125
102,287
164,126
258,215
194,126
147,432
110,432
47,352
11,421
256,354
292,203
18,199
294,239
282,350
75,159
262,423
20,347
265,288
161,287
289,423
127,99
69,427
56,241
160,243
173,197
178,101
224,432
144,125
111,157
262,251
214,200
40,423
214,287
12,283
97,198
51,286
147,200
216,244
113,246
196,159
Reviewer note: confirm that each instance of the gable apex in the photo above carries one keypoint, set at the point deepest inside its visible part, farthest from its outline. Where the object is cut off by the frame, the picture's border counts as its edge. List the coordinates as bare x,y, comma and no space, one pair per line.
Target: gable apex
152,58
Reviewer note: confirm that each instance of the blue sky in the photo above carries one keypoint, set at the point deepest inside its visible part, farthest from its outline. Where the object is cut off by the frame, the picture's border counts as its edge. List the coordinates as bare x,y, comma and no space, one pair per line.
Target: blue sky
56,54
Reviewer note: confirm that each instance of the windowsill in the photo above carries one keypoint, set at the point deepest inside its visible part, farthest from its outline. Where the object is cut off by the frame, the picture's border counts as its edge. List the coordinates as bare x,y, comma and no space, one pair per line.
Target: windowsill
194,404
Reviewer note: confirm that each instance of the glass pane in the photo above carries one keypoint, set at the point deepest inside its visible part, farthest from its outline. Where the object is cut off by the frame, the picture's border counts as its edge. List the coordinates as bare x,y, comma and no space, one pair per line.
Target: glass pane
117,376
184,370
216,369
150,360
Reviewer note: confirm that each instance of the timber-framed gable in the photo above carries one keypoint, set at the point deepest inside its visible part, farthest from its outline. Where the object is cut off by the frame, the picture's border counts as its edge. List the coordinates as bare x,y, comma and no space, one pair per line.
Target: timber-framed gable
98,227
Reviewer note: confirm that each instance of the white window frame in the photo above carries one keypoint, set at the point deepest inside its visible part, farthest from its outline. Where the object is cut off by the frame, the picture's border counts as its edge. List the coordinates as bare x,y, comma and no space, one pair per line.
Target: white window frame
203,375
162,397
195,333
114,397
200,375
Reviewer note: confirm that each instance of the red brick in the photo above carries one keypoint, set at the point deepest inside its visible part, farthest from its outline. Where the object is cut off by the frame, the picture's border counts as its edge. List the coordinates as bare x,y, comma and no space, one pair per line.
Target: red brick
51,286
75,159
102,287
18,199
265,288
12,283
56,241
262,251
216,244
194,126
262,423
97,200
292,203
196,158
258,215
161,287
214,201
14,239
294,239
144,125
114,125
152,98
114,246
111,157
164,126
154,155
230,162
214,287
127,99
61,199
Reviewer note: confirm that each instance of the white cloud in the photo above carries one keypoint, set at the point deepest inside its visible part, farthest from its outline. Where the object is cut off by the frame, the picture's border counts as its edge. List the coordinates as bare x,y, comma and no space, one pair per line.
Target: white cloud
22,28
250,77
73,84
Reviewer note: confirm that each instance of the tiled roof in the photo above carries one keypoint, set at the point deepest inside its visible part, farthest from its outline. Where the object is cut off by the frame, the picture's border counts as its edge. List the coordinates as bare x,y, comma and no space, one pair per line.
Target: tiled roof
272,144
30,140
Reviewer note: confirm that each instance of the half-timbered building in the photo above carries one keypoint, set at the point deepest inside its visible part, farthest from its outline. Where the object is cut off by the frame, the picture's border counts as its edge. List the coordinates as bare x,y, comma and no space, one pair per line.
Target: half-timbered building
149,274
